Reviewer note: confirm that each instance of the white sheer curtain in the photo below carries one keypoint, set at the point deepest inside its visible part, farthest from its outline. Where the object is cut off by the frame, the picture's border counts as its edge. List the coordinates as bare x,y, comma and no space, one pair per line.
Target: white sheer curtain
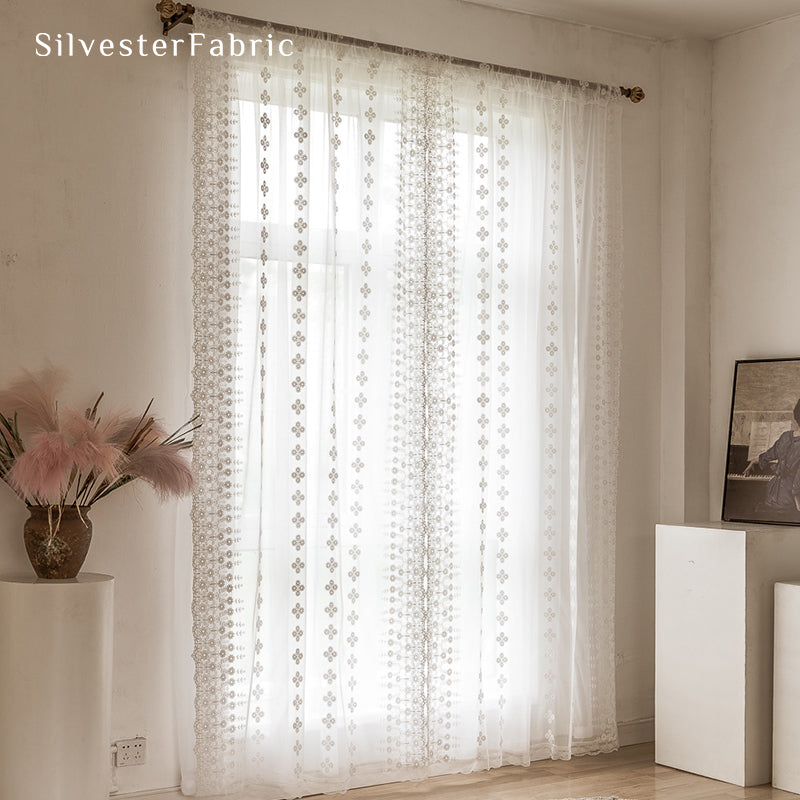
407,347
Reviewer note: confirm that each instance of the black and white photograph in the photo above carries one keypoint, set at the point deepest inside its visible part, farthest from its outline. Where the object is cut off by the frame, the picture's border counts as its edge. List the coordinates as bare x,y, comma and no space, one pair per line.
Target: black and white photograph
762,482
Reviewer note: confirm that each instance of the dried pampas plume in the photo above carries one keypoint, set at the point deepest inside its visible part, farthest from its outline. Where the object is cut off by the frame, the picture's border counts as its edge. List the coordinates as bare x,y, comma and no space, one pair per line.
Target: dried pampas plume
59,457
32,397
163,467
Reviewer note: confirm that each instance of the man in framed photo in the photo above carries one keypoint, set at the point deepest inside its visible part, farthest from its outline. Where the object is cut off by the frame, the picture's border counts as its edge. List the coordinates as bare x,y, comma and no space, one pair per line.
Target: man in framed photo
782,460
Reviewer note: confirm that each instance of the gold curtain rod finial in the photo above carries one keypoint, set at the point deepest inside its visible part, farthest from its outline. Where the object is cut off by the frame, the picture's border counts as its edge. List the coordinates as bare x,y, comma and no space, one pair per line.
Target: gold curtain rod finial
173,14
635,95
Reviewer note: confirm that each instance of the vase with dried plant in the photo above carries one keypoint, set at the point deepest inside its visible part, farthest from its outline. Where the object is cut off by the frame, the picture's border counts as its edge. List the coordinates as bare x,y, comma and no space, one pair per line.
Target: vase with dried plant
60,461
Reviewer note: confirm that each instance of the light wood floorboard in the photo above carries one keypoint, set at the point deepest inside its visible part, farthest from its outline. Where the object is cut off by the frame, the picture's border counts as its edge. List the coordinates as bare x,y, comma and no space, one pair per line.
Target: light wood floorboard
629,773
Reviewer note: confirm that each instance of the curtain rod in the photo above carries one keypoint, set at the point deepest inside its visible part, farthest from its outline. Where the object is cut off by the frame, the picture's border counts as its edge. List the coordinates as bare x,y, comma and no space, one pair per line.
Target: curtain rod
173,14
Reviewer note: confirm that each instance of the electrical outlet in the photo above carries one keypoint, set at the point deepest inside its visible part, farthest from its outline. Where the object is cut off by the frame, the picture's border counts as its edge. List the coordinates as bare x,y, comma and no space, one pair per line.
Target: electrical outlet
130,752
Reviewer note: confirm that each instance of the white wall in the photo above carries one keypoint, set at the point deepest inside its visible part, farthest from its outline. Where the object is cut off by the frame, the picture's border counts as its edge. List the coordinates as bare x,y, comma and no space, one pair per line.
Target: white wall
685,278
95,241
755,193
94,274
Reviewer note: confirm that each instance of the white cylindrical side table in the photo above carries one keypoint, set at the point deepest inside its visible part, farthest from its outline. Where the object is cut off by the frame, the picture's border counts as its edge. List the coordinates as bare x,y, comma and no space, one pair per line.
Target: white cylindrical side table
56,641
786,688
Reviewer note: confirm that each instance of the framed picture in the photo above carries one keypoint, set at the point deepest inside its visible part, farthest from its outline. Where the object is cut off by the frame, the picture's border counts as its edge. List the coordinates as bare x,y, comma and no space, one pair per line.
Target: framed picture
762,482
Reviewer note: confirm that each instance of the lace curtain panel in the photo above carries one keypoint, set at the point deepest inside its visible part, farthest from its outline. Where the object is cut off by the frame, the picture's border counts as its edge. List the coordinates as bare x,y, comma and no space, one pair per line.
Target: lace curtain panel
406,362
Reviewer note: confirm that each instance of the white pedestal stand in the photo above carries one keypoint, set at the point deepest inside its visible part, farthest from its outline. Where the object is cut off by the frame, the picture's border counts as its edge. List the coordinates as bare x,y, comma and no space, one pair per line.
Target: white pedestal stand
786,689
714,620
55,687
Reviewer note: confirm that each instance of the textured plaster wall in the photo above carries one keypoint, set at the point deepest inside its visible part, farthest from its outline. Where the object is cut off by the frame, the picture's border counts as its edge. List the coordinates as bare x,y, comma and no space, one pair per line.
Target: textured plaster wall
95,242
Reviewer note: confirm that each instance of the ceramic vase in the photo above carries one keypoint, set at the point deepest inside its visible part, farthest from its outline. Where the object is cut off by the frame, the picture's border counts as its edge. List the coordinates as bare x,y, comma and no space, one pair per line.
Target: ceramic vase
57,544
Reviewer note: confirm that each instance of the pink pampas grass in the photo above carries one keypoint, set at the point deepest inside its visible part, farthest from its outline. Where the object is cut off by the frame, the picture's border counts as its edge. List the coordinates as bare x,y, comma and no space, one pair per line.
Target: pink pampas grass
163,467
60,457
140,431
42,471
93,447
33,398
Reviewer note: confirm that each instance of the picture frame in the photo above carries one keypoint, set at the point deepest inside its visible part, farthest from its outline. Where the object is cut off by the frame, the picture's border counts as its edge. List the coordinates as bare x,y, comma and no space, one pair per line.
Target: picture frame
762,473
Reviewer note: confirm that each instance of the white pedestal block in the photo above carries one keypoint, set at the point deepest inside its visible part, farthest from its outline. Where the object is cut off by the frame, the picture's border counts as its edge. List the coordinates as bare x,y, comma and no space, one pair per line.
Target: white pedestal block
714,621
786,689
55,687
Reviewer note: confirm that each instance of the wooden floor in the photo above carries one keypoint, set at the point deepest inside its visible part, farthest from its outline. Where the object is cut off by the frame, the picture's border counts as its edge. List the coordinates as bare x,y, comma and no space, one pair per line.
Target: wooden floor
629,773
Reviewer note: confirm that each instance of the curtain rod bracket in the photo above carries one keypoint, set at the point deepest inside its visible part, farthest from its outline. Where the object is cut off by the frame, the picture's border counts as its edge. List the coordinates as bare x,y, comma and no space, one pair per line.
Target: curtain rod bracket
635,95
173,14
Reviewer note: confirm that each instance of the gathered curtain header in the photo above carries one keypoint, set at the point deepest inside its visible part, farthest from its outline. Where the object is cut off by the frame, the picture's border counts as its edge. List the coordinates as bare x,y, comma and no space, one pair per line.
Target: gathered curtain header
279,39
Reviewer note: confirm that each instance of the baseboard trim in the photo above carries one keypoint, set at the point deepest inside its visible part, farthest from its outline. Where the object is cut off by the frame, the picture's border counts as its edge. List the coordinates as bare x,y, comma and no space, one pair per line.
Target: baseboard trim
147,793
636,731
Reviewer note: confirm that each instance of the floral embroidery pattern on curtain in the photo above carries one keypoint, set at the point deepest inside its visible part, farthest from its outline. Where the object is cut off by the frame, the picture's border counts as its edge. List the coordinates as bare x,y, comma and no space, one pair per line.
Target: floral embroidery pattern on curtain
420,611
406,360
